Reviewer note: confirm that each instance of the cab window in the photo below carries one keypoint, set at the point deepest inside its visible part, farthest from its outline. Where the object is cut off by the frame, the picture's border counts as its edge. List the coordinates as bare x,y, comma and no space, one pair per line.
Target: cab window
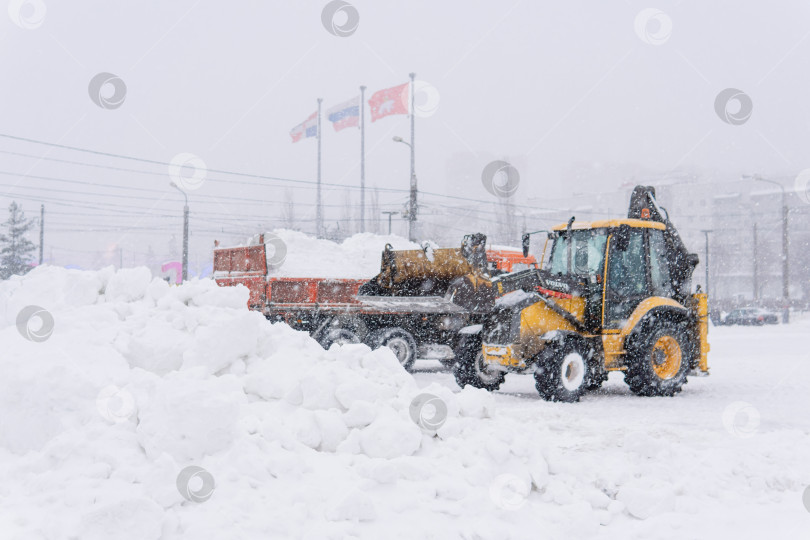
627,278
627,274
659,267
586,255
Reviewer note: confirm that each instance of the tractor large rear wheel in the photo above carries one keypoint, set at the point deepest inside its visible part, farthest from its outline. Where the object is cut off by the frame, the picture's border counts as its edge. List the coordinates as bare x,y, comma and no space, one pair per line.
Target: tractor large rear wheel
471,369
659,359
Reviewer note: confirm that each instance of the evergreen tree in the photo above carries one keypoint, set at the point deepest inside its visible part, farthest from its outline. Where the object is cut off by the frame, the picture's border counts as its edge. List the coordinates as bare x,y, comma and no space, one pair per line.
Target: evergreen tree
15,248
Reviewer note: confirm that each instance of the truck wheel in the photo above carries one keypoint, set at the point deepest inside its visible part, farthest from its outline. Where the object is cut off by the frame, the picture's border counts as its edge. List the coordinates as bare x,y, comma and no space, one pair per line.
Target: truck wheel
341,336
400,341
563,372
659,360
470,367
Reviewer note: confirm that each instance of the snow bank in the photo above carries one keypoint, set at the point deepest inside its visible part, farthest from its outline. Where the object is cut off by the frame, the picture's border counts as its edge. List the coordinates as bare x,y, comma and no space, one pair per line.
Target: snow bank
140,380
147,411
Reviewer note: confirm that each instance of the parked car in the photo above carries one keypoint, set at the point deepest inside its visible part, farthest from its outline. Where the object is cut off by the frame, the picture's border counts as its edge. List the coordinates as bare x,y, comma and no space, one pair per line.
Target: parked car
751,316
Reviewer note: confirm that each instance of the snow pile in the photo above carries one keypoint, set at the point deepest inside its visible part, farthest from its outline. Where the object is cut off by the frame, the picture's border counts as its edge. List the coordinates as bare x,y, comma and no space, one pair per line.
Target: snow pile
302,255
100,422
158,412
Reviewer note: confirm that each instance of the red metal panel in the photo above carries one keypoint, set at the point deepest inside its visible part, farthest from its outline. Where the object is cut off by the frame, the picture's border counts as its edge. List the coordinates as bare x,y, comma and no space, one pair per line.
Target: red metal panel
338,291
289,291
249,259
256,287
222,260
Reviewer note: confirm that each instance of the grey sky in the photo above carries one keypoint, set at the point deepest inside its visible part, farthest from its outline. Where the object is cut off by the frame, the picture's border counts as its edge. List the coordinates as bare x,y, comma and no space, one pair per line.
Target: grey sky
555,82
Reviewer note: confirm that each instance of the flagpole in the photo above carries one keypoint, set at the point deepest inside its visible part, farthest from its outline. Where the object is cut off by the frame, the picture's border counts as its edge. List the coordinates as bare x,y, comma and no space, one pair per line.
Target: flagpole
412,209
362,159
318,209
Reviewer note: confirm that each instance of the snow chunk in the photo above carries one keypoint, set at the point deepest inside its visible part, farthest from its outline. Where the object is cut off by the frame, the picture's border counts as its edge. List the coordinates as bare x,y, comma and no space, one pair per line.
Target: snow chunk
133,519
129,284
645,498
390,435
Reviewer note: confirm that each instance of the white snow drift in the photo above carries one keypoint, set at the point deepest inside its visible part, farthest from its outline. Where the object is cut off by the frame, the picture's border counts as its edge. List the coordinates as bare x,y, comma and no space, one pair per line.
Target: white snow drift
100,422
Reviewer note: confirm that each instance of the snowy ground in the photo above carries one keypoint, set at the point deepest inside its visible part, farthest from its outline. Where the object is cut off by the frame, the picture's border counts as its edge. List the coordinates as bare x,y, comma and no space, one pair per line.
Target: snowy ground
727,458
101,420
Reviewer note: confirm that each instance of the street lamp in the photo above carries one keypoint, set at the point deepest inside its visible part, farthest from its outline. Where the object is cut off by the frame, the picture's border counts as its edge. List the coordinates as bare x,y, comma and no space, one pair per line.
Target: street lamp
706,232
785,242
412,204
185,231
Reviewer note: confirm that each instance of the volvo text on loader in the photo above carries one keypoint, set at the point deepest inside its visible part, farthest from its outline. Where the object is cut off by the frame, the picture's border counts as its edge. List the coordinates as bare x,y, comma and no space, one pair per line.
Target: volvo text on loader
613,296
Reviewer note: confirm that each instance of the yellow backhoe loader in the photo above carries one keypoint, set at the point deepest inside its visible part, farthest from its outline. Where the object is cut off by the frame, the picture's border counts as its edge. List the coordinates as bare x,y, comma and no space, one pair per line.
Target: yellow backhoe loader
613,296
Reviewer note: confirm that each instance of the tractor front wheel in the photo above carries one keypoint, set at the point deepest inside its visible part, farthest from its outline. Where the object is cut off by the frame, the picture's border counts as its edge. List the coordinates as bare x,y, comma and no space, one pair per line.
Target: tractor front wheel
563,372
659,359
471,369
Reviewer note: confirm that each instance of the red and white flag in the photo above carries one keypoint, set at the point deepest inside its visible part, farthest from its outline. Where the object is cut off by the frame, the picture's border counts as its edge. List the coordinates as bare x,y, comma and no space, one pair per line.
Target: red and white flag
307,128
389,101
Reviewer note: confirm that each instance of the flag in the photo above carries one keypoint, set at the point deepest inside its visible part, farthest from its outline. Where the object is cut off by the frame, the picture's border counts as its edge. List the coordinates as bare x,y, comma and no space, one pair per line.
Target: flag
346,114
389,101
307,128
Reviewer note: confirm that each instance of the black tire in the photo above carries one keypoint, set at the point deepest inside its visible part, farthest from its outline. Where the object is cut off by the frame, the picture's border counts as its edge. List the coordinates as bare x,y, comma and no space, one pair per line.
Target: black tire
597,379
340,336
652,366
400,341
469,368
564,370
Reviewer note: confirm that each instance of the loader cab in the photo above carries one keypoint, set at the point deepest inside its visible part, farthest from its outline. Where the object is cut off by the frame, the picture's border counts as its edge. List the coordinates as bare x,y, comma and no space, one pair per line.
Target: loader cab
612,265
637,269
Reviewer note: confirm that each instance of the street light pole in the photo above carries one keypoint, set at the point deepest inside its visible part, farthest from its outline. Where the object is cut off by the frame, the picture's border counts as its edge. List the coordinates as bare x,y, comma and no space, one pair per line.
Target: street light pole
412,206
185,231
412,212
706,232
785,246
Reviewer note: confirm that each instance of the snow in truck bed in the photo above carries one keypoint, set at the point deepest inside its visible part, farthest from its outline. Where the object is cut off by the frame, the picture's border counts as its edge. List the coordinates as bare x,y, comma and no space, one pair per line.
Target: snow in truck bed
357,257
140,380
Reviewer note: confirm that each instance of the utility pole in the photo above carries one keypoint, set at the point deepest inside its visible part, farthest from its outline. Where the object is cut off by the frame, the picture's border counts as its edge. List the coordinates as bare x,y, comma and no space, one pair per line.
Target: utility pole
319,209
389,220
785,259
756,284
706,232
185,231
185,241
785,247
413,204
362,159
41,230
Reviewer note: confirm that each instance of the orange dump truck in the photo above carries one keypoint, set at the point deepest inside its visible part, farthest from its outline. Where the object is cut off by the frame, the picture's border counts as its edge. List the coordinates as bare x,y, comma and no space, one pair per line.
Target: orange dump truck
405,307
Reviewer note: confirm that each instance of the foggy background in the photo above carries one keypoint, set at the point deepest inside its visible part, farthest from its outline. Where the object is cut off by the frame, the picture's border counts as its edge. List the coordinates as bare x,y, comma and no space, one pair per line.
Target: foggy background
570,93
